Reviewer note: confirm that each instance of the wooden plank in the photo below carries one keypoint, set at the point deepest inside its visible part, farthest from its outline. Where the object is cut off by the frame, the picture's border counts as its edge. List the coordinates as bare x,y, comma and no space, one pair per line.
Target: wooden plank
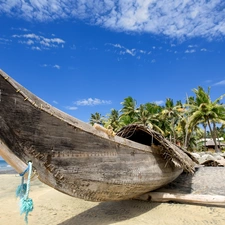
11,158
217,200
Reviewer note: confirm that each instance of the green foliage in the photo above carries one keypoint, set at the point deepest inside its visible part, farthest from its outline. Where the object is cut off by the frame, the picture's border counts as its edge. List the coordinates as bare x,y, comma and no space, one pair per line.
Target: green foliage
96,118
178,122
112,120
203,110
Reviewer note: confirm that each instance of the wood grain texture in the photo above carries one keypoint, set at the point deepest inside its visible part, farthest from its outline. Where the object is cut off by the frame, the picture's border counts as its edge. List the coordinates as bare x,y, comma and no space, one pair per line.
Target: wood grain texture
206,186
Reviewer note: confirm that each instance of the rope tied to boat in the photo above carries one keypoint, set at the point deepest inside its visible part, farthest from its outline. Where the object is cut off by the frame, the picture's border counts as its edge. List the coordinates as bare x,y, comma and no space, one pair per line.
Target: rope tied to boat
26,203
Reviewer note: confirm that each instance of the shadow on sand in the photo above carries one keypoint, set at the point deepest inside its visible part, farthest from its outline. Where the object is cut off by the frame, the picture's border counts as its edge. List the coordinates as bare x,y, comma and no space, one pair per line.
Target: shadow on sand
106,213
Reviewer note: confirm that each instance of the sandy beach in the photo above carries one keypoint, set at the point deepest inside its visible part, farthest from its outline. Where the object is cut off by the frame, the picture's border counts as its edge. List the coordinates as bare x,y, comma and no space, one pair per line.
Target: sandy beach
52,207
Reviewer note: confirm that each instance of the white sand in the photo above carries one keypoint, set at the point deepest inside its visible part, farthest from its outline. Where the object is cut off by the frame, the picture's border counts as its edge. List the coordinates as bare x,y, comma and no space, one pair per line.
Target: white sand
52,207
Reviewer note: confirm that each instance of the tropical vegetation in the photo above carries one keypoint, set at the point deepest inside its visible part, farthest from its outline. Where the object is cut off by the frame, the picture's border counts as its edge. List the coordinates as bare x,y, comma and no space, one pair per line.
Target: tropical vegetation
182,123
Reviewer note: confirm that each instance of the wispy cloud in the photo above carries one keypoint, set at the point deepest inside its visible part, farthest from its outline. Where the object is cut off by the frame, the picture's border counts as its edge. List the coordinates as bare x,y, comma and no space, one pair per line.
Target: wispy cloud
39,42
222,82
159,102
35,48
122,50
20,29
196,18
192,46
5,41
52,66
190,51
71,107
56,66
92,102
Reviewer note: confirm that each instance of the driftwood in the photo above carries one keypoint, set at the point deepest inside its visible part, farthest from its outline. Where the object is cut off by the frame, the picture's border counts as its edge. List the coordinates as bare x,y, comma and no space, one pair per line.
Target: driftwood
206,187
212,163
216,200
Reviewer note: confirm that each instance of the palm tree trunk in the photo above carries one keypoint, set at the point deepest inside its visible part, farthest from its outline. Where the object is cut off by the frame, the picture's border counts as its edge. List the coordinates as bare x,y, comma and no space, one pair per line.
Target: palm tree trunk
173,129
213,137
204,125
186,139
186,127
216,134
174,136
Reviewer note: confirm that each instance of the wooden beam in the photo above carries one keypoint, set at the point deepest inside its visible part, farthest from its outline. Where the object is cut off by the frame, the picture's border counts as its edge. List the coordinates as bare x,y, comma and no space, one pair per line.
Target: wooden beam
11,158
216,200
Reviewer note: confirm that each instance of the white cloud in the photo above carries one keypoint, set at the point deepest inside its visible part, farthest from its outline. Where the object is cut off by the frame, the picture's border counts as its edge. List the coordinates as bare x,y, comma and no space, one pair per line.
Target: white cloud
28,42
153,61
142,51
35,48
92,102
55,102
192,46
203,50
222,82
123,50
132,51
39,41
19,28
71,107
177,19
56,66
52,66
5,41
159,102
190,51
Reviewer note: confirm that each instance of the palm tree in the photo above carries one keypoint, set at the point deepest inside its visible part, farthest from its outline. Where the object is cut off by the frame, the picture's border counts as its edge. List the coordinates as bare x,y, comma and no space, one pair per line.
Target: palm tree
221,131
142,115
125,120
172,112
188,130
129,108
204,110
148,116
113,120
96,118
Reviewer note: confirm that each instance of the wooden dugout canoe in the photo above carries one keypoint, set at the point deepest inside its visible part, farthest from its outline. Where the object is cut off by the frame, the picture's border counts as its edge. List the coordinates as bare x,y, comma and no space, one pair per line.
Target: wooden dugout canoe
77,159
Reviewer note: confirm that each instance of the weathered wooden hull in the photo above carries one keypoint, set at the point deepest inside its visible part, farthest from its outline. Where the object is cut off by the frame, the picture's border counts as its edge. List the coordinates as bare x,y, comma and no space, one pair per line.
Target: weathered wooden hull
206,187
73,157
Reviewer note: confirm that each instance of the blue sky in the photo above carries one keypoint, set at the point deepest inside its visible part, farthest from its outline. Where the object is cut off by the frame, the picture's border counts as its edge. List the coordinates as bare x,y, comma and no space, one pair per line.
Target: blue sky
86,56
